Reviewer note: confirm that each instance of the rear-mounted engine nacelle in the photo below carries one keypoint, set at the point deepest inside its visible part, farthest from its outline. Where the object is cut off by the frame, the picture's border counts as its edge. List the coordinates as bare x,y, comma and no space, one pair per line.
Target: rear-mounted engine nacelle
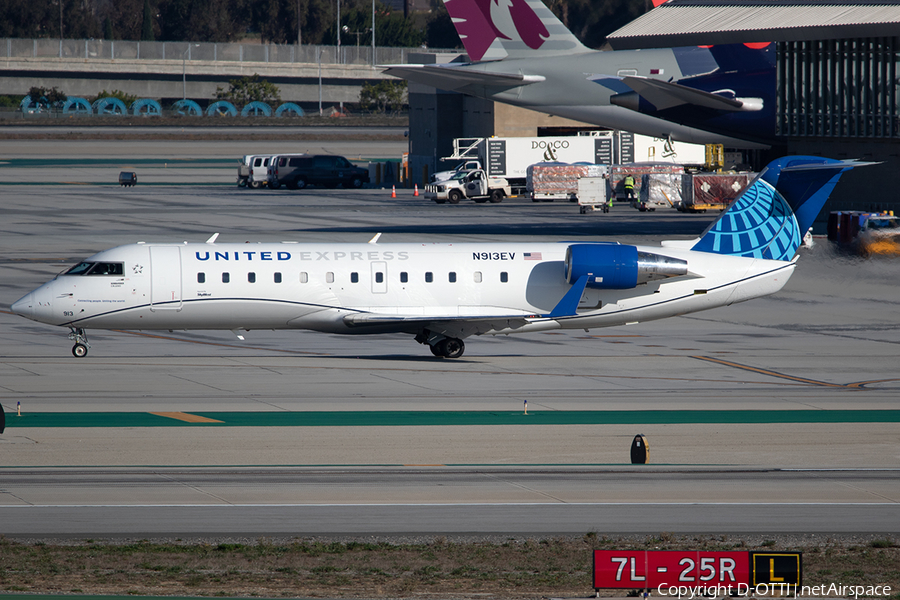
617,267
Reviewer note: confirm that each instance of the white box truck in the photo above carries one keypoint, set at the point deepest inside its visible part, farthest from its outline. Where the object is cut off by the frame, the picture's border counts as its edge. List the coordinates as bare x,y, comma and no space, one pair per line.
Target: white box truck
510,158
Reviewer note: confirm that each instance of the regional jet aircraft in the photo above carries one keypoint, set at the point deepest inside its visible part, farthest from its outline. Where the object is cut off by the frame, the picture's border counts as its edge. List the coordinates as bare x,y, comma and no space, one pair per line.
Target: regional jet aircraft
443,293
523,55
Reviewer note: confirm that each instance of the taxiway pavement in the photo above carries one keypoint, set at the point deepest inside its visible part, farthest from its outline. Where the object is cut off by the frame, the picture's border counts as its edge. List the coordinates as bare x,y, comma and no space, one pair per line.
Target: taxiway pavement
828,342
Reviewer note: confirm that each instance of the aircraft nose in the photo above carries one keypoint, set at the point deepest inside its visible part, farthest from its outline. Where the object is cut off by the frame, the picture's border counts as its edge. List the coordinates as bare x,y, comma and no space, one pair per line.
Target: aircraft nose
24,306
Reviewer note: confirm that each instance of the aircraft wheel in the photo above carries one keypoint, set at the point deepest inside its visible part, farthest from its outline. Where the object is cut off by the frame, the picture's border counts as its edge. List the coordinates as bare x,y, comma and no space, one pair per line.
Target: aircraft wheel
454,197
79,350
435,350
451,347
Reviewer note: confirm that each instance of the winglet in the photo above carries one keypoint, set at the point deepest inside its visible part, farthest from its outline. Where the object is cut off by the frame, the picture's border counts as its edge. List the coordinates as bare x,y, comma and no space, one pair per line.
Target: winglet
569,303
212,240
374,240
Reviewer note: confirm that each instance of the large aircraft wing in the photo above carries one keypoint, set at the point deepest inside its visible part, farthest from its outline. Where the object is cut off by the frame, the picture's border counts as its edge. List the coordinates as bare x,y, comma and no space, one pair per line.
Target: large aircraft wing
665,94
454,78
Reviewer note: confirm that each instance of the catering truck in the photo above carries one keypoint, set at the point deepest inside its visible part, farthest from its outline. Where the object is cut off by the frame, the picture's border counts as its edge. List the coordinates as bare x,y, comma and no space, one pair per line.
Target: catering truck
509,158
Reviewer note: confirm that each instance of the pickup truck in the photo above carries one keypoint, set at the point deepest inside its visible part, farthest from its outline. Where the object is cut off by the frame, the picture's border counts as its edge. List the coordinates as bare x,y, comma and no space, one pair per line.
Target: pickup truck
466,166
468,184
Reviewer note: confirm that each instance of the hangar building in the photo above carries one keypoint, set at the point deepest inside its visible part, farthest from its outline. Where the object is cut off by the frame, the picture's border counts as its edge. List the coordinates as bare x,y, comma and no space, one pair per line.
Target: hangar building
838,82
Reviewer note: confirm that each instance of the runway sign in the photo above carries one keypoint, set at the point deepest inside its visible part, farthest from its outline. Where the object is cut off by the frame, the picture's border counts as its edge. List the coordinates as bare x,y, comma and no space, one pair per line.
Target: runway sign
653,569
777,567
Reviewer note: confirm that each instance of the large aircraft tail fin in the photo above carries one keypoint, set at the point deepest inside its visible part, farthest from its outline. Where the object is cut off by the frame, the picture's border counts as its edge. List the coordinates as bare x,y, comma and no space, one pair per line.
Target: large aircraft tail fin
497,29
744,58
768,220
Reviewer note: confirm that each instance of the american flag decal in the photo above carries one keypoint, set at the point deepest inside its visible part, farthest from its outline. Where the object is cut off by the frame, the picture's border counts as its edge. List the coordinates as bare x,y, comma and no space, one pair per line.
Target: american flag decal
533,256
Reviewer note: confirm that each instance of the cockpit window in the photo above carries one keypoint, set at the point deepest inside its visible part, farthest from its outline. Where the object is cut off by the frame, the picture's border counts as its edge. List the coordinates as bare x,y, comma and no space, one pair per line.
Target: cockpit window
105,268
80,269
101,268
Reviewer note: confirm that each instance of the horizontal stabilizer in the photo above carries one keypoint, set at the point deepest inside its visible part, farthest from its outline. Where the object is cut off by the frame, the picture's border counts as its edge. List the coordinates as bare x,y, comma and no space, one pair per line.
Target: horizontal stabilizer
454,78
664,94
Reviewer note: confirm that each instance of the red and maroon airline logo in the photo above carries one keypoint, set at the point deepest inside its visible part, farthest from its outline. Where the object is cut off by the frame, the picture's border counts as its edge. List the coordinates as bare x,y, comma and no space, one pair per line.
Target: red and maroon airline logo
480,22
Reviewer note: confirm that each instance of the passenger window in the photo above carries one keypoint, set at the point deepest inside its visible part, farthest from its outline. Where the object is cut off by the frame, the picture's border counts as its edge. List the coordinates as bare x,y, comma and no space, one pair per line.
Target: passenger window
277,277
304,277
429,277
452,277
251,277
504,277
201,277
226,278
404,277
354,277
329,277
379,277
477,276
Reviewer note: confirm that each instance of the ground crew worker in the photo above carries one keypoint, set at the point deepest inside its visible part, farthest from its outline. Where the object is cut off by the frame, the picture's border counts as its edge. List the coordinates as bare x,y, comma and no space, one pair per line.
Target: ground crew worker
629,186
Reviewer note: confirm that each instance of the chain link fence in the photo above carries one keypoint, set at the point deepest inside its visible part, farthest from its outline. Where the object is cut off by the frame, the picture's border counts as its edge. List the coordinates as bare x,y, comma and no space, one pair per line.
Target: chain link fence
11,48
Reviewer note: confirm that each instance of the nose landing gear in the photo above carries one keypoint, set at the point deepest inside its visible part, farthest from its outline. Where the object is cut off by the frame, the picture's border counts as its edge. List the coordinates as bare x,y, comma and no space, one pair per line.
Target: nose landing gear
80,349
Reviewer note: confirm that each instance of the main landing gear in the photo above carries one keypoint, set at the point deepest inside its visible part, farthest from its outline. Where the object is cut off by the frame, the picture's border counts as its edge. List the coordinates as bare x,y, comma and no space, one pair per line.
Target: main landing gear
442,346
80,349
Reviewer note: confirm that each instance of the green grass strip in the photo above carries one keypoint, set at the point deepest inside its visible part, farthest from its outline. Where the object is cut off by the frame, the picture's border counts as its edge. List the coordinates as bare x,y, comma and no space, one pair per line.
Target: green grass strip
445,418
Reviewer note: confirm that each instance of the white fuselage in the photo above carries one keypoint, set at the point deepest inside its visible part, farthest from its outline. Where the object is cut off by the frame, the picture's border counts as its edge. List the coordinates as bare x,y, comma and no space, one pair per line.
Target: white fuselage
466,288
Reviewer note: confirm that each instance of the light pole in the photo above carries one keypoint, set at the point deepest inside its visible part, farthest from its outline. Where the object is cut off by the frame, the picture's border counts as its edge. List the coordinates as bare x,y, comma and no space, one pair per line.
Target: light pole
373,33
338,30
184,70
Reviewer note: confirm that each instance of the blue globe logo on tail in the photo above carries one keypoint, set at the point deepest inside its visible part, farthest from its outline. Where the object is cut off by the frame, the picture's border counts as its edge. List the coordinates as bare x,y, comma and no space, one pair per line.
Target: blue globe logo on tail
759,224
768,220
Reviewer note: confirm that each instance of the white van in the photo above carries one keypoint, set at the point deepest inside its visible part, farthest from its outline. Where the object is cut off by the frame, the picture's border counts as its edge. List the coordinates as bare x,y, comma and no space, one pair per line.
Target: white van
259,170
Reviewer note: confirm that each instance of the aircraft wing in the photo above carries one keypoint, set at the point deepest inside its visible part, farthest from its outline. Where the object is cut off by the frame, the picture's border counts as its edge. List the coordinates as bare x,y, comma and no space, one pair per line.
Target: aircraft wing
665,94
454,78
449,325
474,323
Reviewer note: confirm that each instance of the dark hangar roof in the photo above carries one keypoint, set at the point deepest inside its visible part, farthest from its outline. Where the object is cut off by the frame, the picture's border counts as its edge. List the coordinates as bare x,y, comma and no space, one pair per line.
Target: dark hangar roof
700,22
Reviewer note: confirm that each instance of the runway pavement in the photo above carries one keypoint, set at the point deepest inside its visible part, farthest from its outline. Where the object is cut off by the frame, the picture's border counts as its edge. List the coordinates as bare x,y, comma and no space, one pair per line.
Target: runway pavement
776,415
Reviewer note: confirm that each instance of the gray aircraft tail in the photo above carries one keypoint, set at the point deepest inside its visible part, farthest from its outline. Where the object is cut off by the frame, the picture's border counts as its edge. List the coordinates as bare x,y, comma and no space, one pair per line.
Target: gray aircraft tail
498,29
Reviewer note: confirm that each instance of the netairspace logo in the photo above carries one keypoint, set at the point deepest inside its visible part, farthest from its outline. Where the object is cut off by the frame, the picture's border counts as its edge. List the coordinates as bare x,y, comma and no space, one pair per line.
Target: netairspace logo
781,589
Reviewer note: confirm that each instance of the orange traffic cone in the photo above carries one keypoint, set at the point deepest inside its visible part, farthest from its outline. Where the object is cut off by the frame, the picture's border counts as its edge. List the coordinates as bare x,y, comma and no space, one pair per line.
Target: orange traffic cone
416,190
393,191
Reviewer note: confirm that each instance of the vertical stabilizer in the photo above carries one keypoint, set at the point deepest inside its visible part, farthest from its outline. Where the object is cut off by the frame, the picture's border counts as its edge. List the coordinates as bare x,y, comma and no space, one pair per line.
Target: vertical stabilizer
768,220
497,29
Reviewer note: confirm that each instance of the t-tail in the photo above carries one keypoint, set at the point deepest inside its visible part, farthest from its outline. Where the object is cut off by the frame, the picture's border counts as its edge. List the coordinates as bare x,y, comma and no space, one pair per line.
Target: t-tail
769,219
497,29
